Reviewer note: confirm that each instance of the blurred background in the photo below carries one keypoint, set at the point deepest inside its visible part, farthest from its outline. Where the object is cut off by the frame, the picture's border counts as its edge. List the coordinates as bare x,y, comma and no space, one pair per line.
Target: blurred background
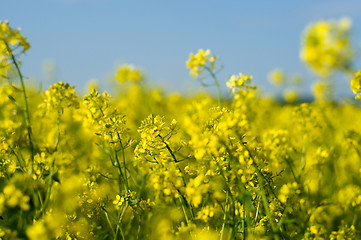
76,41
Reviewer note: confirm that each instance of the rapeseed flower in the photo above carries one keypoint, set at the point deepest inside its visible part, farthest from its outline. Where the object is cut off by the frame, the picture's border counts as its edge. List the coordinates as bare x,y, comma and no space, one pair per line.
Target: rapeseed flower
326,47
200,61
356,84
128,73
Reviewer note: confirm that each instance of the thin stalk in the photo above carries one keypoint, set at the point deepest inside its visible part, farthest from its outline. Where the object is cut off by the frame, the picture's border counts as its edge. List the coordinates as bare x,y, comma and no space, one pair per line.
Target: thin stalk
120,176
109,223
354,220
119,222
184,201
265,205
244,222
224,216
292,171
26,106
258,171
191,210
255,219
303,153
20,160
57,137
184,210
120,171
232,205
168,148
40,199
185,205
219,95
50,184
262,179
230,235
125,166
138,230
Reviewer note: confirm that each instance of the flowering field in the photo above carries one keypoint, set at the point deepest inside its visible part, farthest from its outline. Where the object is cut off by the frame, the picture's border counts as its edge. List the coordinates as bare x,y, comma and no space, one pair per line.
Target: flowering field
145,165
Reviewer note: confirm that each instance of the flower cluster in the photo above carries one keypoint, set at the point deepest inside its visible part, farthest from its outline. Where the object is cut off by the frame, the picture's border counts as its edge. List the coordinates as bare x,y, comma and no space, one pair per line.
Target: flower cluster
200,61
356,84
239,82
10,40
13,197
128,73
327,47
147,165
155,139
59,97
104,118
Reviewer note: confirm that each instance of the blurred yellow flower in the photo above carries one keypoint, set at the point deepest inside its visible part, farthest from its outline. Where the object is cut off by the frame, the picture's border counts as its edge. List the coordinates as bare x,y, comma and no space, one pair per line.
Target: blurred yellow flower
326,46
200,61
239,82
290,95
356,84
128,73
10,40
277,77
320,91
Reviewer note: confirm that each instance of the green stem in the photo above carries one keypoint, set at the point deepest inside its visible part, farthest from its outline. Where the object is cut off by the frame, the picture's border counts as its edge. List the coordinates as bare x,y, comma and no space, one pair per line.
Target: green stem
218,92
224,216
119,222
168,148
186,205
57,138
20,160
263,180
292,171
259,172
219,95
182,199
125,166
184,210
354,220
268,213
109,223
230,235
26,107
50,184
244,222
121,177
138,230
37,195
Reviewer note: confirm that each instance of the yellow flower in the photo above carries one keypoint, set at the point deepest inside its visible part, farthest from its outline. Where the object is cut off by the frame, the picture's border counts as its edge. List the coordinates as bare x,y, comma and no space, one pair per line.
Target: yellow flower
37,232
277,77
239,82
290,96
320,91
128,73
356,84
326,46
197,63
118,201
287,191
10,40
206,213
59,97
14,197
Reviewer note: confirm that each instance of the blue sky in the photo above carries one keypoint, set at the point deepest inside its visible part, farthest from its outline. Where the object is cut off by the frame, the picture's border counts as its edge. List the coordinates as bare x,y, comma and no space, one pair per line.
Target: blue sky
89,38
